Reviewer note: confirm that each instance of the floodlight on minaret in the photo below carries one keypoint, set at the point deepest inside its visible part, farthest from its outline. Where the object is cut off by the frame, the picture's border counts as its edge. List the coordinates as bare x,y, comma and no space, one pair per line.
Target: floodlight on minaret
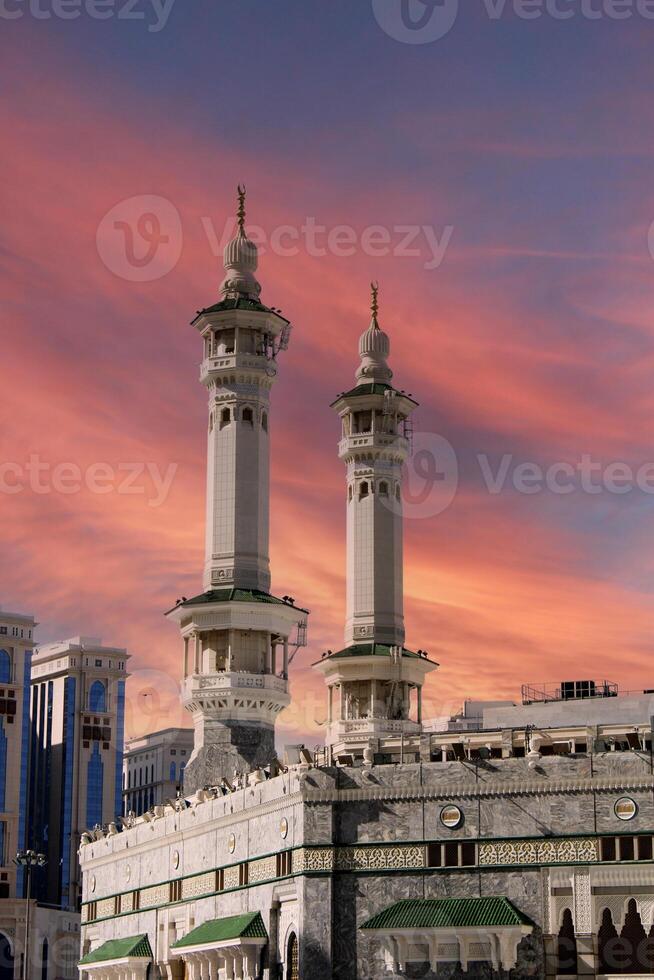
377,679
238,638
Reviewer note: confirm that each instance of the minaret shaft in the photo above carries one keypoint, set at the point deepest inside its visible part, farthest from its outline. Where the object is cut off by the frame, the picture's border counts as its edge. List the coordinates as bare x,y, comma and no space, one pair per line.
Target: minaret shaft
238,490
374,595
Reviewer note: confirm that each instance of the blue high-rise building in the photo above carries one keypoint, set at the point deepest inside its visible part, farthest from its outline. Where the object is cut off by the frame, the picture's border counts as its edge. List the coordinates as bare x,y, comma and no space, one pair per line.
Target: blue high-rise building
77,741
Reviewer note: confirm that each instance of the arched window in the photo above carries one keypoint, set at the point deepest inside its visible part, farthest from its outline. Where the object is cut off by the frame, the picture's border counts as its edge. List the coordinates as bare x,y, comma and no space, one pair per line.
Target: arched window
264,421
397,492
225,418
6,959
292,958
608,942
349,493
383,488
248,416
97,697
94,781
634,942
44,960
5,667
173,772
363,489
566,949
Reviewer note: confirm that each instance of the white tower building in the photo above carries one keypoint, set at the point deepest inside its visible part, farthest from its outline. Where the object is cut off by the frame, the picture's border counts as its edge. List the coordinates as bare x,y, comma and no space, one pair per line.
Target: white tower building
236,634
379,680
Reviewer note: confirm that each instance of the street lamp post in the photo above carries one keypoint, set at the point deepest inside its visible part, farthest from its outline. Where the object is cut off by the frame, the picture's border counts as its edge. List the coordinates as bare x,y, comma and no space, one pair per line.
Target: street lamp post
28,860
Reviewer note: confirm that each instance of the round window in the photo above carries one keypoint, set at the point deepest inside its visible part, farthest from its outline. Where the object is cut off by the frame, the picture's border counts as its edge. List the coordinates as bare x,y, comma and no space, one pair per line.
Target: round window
625,808
451,816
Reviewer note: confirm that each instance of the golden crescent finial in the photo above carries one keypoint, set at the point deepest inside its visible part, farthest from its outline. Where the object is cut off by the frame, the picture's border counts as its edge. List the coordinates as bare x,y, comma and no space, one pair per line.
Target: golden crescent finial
374,299
241,207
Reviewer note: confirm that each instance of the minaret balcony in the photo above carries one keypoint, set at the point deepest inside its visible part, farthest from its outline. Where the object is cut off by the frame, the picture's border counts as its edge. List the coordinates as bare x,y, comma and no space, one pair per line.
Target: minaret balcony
361,441
214,366
230,679
236,694
374,727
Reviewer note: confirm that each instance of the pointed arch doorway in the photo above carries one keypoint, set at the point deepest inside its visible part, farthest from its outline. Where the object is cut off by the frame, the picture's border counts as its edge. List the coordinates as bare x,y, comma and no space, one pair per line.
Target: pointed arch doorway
292,958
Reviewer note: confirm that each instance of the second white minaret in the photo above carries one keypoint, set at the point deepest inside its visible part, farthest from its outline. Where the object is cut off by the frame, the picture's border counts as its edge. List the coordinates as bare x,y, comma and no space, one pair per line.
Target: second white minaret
374,683
374,447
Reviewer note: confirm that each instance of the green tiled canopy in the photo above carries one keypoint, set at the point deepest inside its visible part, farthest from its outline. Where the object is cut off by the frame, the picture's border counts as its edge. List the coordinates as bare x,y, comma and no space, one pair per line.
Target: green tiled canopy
371,650
247,926
136,947
237,304
236,595
448,913
373,388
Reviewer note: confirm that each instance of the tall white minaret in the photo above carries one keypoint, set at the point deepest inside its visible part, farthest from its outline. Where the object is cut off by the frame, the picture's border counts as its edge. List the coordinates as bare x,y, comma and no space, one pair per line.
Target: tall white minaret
379,681
236,634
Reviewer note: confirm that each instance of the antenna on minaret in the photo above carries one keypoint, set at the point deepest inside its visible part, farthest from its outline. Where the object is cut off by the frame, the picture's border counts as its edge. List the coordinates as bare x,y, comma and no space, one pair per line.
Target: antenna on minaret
240,214
374,302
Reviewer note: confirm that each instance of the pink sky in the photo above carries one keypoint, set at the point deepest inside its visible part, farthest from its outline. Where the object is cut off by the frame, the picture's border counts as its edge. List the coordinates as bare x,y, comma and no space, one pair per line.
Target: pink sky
513,346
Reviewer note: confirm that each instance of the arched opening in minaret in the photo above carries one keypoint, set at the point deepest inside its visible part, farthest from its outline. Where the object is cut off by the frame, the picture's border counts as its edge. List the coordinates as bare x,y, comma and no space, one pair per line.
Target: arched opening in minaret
225,417
349,493
383,488
264,421
363,489
248,416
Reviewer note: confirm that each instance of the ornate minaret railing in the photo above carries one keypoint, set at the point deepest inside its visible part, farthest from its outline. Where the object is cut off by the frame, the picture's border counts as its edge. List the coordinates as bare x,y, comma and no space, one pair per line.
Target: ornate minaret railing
378,679
236,635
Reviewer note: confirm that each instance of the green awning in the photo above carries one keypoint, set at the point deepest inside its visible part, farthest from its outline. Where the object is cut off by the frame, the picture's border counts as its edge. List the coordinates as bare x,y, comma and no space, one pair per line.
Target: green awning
134,947
247,926
449,913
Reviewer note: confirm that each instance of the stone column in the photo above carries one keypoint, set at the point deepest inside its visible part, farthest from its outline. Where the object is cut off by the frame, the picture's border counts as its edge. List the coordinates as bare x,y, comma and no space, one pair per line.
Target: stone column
285,657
